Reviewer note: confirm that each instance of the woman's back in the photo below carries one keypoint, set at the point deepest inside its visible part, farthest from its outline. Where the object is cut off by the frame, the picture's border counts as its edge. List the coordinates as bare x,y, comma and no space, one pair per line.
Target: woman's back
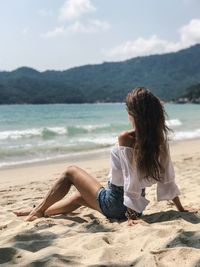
124,172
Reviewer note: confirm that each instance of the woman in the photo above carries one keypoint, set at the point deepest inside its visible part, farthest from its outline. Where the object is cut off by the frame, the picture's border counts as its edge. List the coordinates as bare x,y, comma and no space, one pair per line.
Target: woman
141,158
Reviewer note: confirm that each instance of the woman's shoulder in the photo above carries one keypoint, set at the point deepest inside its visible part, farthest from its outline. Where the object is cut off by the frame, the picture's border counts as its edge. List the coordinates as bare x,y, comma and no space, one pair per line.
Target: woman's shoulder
126,133
127,138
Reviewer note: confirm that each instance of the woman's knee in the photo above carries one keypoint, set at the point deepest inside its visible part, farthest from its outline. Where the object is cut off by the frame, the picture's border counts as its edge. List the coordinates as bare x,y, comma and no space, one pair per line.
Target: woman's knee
71,170
68,174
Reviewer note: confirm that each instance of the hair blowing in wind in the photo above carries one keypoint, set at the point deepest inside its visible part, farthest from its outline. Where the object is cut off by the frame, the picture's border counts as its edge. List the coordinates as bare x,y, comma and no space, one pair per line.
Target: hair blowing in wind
150,149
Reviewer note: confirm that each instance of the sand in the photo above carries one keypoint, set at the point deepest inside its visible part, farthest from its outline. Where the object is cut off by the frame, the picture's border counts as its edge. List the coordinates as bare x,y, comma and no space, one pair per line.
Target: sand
86,237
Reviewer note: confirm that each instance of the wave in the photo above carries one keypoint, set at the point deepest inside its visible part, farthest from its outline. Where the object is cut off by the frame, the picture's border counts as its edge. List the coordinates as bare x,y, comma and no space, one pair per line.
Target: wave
55,147
51,149
181,135
35,132
81,129
173,122
101,140
51,132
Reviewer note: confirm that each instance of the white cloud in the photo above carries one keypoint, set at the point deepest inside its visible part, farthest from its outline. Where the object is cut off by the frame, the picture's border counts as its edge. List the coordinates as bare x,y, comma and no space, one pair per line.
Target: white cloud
92,26
73,9
189,35
58,31
100,24
141,47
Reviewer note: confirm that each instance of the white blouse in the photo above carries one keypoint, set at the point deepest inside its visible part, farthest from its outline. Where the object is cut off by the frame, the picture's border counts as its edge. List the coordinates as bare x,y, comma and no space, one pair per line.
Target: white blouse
122,173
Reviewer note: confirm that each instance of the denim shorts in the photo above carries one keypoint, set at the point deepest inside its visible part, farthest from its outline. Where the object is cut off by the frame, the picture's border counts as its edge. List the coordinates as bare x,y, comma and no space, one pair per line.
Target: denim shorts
111,201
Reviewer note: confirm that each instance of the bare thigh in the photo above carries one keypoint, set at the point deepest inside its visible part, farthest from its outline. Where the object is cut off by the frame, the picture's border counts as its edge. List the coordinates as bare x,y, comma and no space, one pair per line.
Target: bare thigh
87,185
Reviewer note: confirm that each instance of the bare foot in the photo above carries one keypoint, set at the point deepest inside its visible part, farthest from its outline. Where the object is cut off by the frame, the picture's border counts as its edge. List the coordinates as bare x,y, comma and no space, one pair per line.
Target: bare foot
22,212
33,215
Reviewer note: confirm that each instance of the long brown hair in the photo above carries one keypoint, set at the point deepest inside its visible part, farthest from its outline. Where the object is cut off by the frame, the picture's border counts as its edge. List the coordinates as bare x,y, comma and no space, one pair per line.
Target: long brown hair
150,149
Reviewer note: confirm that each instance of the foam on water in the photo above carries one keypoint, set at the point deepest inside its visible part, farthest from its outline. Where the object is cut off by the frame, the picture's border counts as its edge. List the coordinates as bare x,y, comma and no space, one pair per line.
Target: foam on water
28,133
173,122
53,131
69,130
181,135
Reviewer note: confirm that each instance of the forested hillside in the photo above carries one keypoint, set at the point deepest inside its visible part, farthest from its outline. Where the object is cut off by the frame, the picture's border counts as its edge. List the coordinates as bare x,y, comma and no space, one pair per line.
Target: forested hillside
192,94
167,75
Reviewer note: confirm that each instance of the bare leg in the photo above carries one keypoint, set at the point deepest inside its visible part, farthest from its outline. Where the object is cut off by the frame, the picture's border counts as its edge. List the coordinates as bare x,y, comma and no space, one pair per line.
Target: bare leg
63,206
67,205
57,192
85,184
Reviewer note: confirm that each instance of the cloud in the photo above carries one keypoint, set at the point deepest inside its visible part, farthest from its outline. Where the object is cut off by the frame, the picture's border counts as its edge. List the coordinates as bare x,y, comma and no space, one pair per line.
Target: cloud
73,9
71,15
92,26
188,35
141,47
58,31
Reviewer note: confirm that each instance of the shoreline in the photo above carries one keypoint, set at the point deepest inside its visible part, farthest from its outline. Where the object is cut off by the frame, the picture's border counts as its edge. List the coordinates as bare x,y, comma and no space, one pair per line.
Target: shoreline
78,156
27,173
93,161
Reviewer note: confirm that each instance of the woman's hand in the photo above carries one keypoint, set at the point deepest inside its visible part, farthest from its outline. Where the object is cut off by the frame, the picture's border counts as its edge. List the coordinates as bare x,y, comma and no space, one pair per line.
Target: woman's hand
180,207
132,222
190,209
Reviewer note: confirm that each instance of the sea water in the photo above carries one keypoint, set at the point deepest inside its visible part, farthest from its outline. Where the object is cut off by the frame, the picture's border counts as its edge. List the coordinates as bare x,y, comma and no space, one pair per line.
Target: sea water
31,133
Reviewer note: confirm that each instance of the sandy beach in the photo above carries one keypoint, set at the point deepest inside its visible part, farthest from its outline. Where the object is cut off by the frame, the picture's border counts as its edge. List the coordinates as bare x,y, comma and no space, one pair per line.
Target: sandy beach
86,237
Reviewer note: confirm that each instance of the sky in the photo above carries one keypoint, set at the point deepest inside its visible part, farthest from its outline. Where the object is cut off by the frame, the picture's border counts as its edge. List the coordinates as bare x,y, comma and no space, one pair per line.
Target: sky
60,34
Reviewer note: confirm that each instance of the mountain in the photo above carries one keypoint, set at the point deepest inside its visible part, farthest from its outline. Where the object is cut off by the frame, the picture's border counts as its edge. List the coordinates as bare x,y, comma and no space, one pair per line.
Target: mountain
167,75
192,95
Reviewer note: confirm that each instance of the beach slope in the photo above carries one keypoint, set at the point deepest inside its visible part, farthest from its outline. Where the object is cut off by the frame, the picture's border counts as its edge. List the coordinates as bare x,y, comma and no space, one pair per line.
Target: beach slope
87,238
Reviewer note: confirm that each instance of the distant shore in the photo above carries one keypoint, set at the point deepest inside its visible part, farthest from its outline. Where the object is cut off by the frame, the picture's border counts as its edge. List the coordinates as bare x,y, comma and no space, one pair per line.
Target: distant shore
186,101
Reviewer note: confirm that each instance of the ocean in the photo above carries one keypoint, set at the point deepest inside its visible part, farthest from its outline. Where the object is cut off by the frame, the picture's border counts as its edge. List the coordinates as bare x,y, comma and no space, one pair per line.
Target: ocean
34,133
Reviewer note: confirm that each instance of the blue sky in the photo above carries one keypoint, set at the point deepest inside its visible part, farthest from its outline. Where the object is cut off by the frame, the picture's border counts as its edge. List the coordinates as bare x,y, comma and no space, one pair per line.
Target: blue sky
59,34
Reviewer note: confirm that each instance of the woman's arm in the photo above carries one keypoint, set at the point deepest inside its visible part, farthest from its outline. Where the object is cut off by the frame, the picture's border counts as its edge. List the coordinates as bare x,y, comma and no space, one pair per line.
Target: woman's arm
179,206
